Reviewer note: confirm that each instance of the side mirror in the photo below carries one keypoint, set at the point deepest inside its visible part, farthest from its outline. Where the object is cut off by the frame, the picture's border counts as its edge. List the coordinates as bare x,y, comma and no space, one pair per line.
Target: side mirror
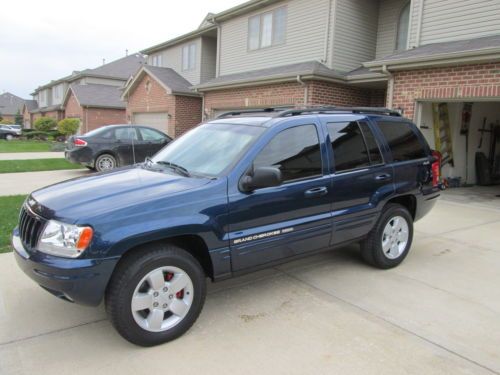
261,177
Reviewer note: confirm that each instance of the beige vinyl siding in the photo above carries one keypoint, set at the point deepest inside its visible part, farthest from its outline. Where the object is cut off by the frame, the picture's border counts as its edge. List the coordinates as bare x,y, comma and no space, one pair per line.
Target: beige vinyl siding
172,58
447,20
208,59
414,19
304,38
356,23
387,26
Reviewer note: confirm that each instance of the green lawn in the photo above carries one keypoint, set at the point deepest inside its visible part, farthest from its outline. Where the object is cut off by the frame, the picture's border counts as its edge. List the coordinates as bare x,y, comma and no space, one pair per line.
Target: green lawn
9,214
33,165
24,146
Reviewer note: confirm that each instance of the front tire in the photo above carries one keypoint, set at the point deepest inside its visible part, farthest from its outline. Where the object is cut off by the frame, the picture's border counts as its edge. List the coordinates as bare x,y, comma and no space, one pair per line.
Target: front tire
389,242
156,294
9,137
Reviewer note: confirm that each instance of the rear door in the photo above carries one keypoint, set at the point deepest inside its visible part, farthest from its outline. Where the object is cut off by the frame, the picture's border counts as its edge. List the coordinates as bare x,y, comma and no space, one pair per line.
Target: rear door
125,139
410,156
275,223
361,178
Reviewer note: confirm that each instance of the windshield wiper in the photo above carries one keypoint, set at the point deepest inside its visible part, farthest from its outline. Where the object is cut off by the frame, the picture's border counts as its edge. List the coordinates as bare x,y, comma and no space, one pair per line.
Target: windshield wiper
181,170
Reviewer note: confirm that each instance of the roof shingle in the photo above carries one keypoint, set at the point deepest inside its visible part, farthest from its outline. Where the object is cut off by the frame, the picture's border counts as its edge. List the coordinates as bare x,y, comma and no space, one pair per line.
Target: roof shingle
93,95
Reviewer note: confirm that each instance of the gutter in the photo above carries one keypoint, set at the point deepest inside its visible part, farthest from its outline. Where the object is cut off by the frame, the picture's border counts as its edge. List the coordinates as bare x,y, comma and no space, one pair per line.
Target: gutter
464,56
176,40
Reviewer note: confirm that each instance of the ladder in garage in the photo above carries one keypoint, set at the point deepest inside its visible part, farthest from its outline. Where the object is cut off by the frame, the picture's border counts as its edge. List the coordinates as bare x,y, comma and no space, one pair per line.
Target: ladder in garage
442,132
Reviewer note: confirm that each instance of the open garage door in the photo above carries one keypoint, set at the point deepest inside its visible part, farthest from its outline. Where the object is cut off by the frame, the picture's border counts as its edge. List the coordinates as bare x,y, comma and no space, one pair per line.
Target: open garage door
157,120
464,129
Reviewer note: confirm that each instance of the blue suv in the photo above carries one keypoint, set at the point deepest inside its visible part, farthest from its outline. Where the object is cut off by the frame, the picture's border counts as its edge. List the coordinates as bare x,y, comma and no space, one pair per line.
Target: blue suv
245,191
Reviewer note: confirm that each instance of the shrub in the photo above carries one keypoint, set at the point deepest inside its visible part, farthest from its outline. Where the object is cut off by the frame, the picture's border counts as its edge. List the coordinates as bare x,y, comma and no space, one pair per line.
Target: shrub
39,135
45,124
68,126
6,122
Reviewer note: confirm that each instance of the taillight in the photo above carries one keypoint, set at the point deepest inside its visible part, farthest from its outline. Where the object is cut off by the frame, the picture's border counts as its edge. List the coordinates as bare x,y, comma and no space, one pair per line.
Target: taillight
436,168
79,142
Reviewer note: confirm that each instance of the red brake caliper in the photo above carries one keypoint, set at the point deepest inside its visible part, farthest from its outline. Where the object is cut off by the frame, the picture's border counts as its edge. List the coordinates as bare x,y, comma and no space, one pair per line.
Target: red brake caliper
168,277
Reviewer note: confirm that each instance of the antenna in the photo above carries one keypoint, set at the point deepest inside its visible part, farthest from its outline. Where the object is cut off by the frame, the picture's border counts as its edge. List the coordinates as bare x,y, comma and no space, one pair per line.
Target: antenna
126,52
133,145
103,61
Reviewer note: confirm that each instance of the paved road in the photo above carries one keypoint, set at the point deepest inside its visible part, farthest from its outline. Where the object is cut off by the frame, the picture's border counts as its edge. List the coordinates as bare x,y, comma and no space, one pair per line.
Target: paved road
26,182
30,155
438,313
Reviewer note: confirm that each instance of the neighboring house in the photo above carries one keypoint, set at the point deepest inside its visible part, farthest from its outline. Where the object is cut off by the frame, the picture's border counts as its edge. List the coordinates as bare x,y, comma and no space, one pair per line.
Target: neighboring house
52,97
10,105
160,94
405,54
28,111
95,105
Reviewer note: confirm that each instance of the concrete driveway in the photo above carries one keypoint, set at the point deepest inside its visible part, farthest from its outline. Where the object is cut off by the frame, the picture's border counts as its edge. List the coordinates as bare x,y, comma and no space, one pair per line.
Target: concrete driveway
26,182
438,313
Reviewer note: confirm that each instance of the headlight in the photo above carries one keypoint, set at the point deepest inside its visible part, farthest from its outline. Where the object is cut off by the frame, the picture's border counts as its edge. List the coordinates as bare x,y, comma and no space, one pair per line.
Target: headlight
64,240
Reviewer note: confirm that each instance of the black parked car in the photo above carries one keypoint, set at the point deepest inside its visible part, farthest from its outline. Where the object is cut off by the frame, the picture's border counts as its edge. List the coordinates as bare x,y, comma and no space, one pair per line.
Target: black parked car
114,146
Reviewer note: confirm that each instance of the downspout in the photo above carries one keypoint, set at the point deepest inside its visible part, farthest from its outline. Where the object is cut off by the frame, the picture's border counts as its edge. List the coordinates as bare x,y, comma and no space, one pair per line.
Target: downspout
390,86
327,31
306,93
217,58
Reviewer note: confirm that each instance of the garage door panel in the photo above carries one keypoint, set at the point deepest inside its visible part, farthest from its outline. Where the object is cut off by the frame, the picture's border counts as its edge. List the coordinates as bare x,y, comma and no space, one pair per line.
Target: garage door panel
157,120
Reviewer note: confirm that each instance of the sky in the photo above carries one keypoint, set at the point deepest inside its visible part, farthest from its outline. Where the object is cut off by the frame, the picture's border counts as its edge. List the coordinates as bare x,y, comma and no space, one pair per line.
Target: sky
45,40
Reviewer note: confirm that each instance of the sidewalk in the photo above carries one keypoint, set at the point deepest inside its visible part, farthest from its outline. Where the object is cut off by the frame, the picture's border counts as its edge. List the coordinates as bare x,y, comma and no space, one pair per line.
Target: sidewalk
30,155
26,182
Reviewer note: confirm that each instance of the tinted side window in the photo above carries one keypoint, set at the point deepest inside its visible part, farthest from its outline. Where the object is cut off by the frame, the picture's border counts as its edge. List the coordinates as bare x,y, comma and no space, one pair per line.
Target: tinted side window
295,151
402,140
125,134
371,144
349,148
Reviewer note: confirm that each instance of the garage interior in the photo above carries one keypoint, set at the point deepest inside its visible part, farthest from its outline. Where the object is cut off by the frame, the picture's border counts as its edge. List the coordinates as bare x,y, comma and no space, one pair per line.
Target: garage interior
473,128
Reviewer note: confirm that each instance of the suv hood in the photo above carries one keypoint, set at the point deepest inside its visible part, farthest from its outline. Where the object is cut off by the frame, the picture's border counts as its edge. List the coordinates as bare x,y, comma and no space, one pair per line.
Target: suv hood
80,198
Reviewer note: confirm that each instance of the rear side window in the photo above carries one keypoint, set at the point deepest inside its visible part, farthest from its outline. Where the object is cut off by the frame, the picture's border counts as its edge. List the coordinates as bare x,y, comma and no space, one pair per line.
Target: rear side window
353,145
126,134
295,151
404,143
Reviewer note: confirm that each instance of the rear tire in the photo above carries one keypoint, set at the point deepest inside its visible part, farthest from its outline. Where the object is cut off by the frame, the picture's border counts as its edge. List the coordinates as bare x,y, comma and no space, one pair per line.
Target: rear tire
143,303
105,162
389,242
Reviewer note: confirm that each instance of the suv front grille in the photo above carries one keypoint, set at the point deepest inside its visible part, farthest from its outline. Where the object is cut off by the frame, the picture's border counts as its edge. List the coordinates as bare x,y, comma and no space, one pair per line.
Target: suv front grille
30,228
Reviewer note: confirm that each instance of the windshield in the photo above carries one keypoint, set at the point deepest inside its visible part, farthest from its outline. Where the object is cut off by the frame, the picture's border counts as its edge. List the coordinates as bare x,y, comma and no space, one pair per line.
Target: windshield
209,149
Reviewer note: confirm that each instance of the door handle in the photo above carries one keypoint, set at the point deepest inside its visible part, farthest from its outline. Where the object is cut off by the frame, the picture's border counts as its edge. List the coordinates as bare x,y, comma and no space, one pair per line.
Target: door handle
383,177
316,192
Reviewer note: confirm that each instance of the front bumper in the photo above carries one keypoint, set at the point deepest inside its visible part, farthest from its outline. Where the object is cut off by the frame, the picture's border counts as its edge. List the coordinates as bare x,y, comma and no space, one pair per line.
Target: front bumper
81,281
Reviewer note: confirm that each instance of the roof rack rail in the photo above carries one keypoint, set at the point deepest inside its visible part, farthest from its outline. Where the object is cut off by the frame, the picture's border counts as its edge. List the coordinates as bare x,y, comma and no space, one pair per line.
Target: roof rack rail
250,111
321,110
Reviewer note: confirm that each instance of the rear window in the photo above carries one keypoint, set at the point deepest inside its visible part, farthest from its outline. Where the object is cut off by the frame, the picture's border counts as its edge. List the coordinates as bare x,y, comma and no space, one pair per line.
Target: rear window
403,141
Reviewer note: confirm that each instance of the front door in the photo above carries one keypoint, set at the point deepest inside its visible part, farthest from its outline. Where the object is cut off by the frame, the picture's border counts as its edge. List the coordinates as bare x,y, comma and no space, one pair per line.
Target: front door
360,179
150,143
274,223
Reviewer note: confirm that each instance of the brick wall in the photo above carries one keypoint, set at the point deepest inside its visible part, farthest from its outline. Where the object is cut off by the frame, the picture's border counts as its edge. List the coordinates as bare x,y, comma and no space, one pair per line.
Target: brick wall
293,94
150,96
94,118
465,82
73,108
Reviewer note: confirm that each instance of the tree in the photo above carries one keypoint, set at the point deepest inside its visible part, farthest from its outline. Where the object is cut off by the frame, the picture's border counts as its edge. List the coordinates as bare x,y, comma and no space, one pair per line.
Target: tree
18,119
44,124
68,126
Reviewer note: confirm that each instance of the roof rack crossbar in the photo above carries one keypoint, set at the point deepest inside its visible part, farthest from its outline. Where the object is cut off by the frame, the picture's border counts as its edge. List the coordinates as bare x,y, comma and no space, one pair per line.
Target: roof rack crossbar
320,110
237,113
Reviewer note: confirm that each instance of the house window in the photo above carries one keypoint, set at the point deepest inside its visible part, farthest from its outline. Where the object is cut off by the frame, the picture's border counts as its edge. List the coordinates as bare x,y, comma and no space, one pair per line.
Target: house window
156,60
403,27
267,29
189,57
